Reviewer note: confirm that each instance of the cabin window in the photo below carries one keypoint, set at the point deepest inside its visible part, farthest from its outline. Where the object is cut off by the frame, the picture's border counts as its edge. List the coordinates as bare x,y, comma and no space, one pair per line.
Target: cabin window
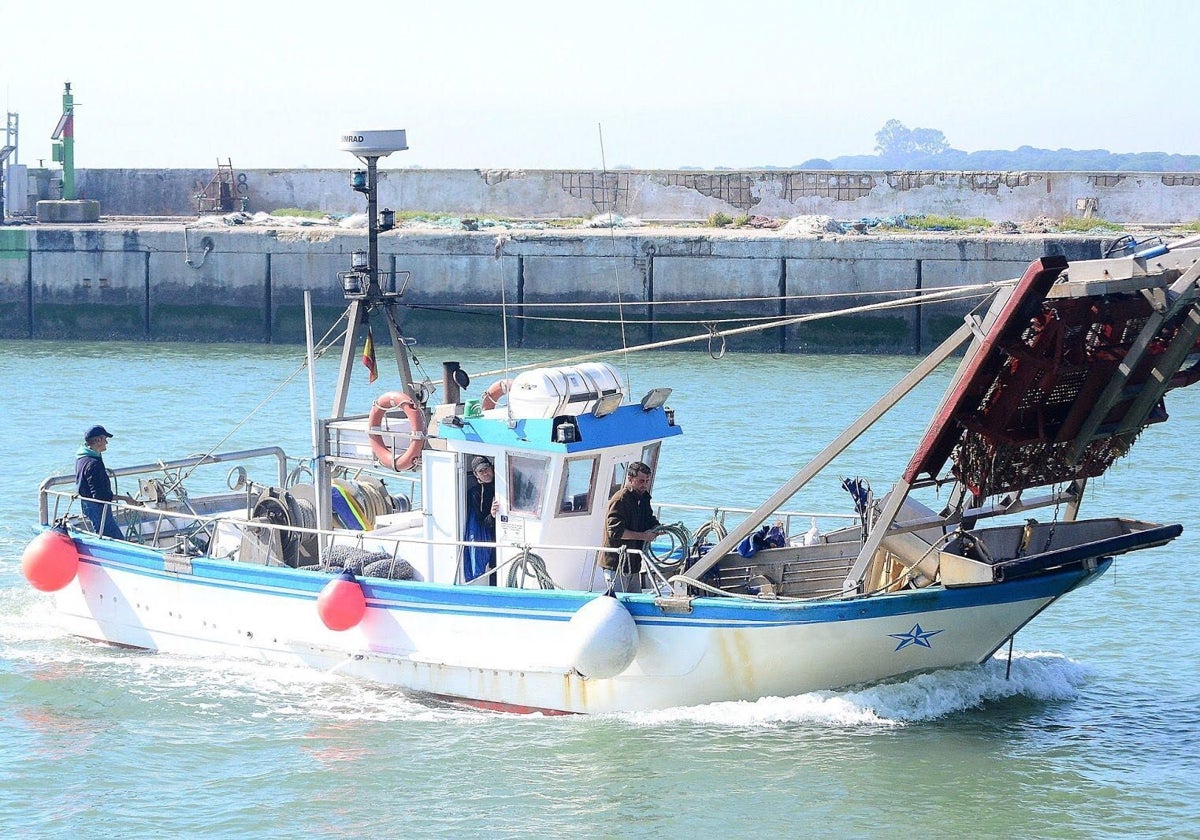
618,478
578,482
526,483
649,458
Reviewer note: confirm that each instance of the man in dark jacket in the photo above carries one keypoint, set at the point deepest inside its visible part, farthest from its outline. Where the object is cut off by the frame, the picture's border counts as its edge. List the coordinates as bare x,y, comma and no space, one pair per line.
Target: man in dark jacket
91,481
630,523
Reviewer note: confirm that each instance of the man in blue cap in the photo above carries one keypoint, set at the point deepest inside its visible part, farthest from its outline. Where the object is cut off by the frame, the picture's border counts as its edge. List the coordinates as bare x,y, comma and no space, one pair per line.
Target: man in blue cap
91,480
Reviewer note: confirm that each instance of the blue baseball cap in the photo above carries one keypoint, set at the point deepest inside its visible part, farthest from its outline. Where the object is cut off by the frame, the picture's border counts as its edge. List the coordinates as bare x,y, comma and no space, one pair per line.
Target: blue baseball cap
95,432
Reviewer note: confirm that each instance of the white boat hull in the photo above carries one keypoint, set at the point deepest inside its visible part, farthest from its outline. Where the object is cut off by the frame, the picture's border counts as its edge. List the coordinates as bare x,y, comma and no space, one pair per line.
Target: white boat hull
507,649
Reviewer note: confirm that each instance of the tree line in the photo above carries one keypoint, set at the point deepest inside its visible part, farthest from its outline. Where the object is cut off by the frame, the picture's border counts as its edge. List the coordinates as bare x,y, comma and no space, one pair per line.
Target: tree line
900,147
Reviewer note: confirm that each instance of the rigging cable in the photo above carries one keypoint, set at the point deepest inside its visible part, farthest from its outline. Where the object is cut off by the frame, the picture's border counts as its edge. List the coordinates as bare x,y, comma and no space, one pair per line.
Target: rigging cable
600,304
773,324
499,252
321,351
612,237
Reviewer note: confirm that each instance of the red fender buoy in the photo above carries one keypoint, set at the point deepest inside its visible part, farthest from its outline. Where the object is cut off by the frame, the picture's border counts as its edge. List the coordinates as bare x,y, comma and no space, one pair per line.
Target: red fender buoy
50,561
491,397
416,420
341,603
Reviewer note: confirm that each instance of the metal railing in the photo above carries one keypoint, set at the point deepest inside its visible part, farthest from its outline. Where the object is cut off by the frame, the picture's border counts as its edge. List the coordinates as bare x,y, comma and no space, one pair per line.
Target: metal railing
46,488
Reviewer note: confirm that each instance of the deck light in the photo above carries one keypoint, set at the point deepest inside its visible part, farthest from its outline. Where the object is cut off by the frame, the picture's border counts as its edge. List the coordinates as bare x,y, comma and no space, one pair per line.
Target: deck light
655,398
608,404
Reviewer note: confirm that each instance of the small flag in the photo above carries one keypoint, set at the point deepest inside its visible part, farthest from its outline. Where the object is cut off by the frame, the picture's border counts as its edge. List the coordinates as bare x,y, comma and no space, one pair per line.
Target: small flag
368,357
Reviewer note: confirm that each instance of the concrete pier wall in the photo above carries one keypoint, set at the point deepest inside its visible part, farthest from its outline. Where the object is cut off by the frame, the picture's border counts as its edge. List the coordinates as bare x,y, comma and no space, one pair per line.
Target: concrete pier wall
1124,197
165,282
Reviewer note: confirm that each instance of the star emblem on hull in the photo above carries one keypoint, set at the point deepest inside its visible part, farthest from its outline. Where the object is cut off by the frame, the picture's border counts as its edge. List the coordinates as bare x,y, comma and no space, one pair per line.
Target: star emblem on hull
915,636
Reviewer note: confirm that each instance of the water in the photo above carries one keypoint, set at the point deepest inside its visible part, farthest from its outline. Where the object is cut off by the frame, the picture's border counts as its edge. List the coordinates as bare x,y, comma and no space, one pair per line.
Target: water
1095,734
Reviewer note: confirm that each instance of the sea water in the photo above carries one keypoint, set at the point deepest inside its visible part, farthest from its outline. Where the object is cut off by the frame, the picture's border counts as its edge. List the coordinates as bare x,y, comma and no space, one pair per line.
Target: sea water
1091,730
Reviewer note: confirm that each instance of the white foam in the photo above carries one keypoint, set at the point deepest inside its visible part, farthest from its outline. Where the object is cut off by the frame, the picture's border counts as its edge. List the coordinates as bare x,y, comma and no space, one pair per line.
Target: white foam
258,690
30,633
1037,675
27,616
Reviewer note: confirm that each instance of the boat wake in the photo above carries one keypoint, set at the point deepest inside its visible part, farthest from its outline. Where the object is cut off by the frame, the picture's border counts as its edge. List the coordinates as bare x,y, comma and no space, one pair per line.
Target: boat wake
237,688
26,616
1036,675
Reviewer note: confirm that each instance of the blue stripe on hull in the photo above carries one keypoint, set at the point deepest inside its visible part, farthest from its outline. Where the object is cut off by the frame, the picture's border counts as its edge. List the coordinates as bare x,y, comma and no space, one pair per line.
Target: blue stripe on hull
557,605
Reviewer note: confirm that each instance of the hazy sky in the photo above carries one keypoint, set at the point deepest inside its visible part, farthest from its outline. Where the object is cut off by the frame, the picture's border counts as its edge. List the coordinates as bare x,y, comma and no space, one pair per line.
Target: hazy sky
527,84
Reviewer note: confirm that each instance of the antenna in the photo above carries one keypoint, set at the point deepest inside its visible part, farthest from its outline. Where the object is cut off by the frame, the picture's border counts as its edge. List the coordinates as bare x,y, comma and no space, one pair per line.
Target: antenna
612,238
500,240
369,147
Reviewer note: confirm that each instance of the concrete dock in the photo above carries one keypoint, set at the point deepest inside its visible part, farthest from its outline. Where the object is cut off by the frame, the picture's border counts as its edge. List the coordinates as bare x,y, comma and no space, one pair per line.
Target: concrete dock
187,281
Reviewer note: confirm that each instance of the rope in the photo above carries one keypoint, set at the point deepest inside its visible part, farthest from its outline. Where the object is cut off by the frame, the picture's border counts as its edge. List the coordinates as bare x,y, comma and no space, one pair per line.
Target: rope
917,297
712,527
977,291
674,322
697,584
714,333
526,563
600,304
293,478
503,304
376,501
906,575
680,538
320,351
701,585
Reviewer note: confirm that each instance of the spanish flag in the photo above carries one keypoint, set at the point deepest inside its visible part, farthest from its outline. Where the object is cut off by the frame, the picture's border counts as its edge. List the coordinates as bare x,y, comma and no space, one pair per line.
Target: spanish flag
368,357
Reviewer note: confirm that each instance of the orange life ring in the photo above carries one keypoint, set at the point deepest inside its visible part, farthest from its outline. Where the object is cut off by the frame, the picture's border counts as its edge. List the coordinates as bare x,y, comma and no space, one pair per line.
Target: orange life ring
491,397
416,419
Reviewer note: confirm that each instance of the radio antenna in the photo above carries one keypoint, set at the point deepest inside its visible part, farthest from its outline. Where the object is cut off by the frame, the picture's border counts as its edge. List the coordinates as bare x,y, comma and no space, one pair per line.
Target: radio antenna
612,236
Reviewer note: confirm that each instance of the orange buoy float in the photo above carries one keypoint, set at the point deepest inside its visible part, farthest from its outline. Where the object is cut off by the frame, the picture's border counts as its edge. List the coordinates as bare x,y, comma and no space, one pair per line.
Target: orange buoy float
416,421
491,397
342,603
50,561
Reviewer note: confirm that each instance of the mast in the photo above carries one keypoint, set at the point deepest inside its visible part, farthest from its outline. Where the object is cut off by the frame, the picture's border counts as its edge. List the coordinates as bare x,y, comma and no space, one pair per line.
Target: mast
362,289
361,284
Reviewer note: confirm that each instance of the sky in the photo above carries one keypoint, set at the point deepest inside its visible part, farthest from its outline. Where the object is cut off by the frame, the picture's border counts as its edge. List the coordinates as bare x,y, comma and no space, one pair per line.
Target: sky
654,84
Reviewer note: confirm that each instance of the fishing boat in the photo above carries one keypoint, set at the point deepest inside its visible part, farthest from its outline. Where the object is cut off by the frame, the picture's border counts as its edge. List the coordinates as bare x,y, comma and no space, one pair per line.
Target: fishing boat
352,558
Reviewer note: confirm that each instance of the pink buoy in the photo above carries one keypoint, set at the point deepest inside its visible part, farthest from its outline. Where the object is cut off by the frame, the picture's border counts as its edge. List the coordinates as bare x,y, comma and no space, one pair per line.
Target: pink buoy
50,561
341,603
